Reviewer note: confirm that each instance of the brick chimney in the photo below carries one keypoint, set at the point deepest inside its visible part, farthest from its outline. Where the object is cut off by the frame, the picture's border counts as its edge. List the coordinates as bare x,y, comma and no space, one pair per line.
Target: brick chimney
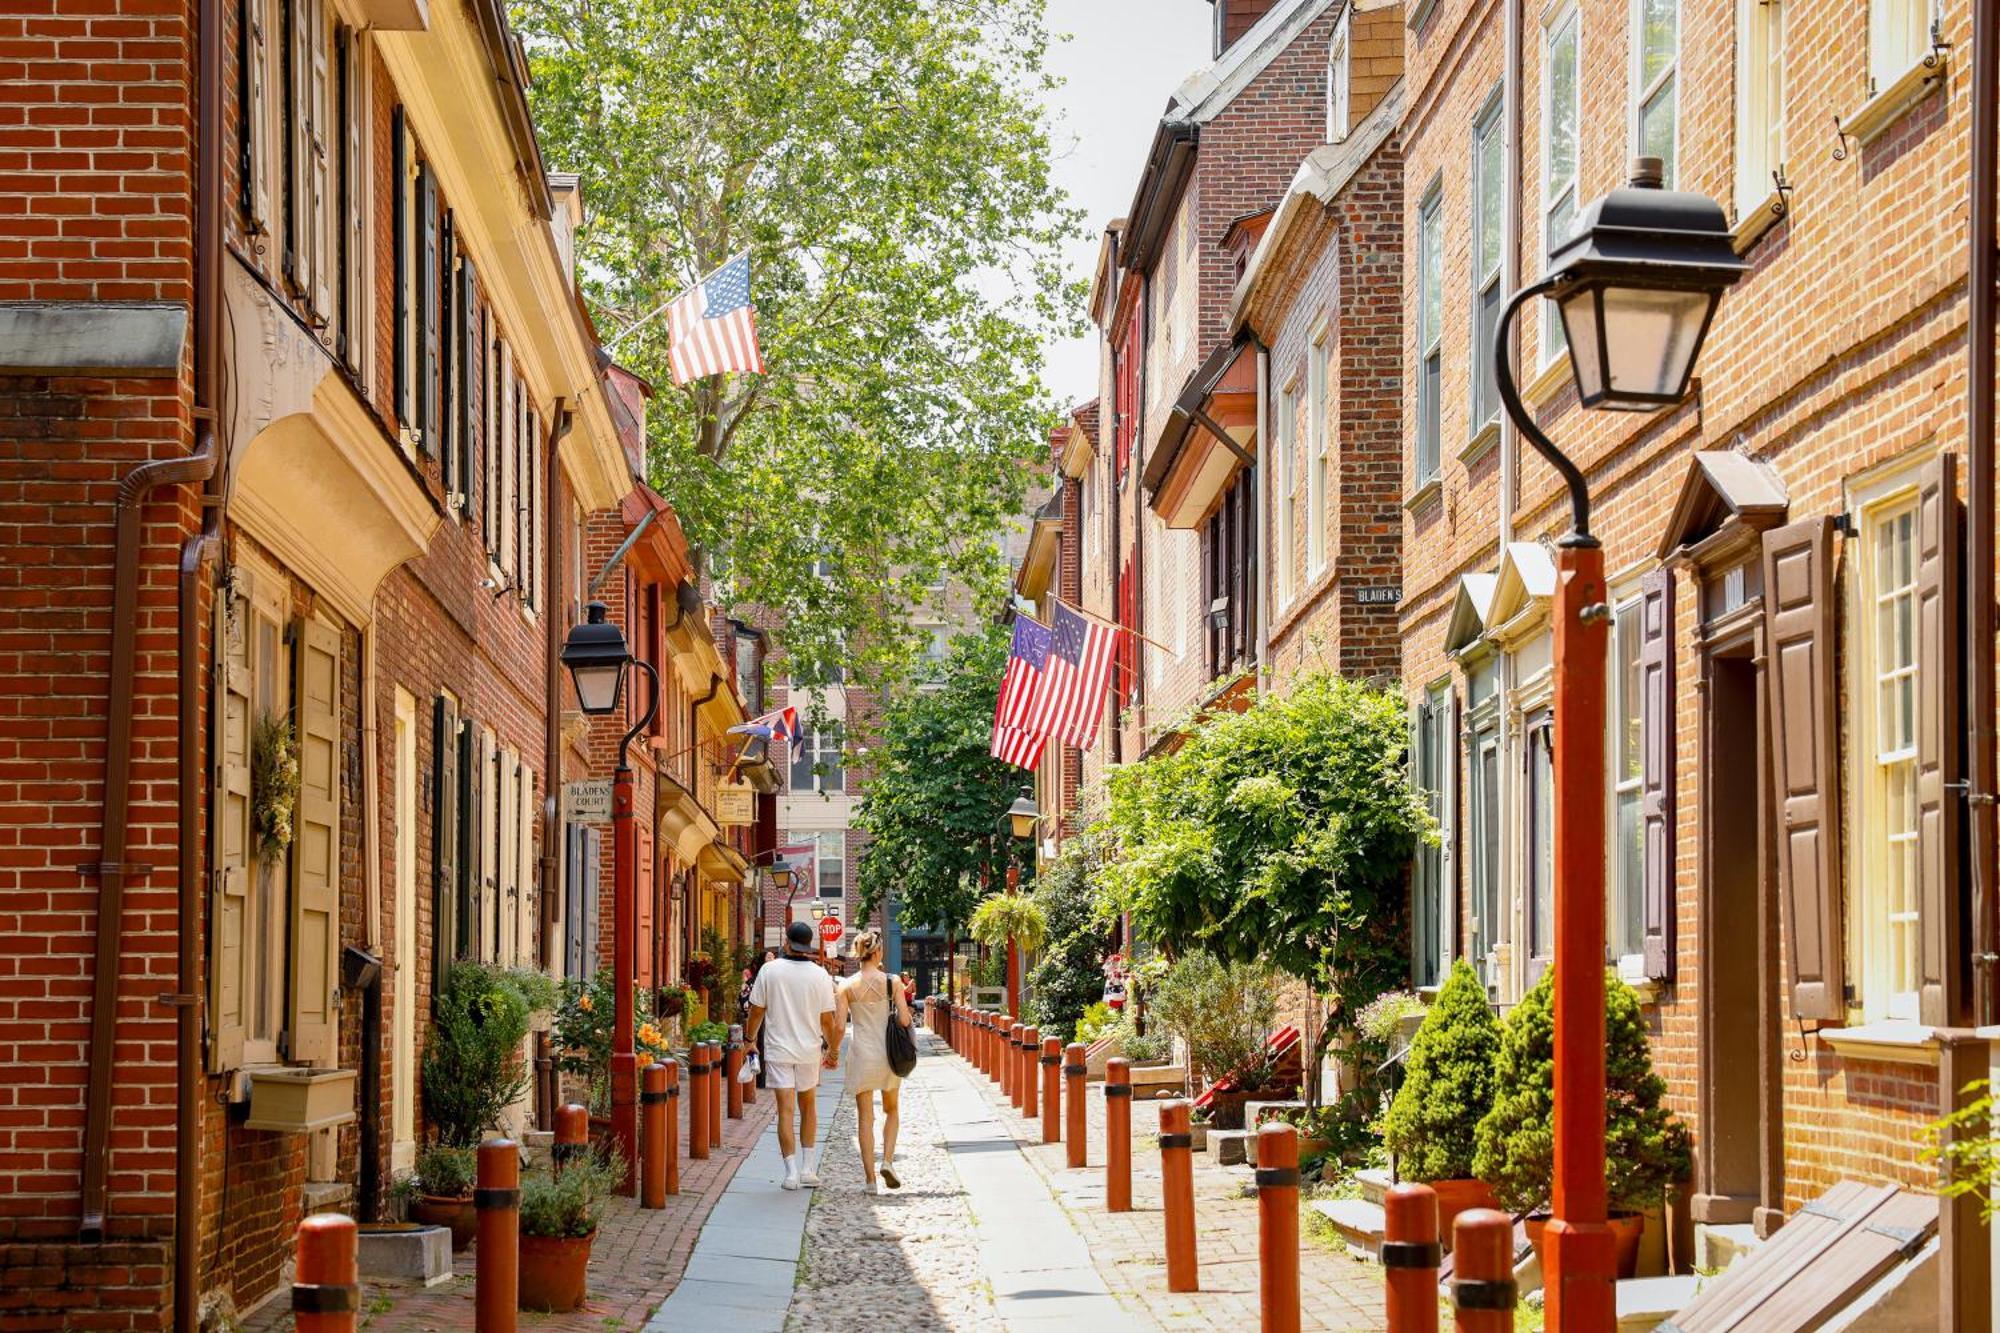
1233,18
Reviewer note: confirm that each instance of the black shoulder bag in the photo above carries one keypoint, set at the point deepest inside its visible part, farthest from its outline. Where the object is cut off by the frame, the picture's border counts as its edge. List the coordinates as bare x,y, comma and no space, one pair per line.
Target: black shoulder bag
899,1041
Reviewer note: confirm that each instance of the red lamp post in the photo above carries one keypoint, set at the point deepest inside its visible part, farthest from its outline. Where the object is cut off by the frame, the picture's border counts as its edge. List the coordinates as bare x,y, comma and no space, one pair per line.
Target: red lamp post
596,656
1636,285
1023,818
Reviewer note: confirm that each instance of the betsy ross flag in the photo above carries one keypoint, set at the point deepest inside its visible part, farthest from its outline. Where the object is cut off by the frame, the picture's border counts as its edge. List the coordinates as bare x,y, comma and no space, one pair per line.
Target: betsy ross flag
1071,698
1026,661
714,326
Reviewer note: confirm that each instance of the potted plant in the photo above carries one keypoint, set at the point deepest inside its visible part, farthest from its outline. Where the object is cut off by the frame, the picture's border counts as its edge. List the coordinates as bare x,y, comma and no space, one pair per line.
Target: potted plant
1222,1011
1198,1125
1646,1149
472,1067
583,1023
1432,1125
441,1192
559,1217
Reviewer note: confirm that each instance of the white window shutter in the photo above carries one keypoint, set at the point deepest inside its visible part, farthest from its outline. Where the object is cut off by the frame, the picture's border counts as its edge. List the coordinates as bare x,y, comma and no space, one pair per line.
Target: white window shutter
524,932
229,897
257,58
321,147
315,950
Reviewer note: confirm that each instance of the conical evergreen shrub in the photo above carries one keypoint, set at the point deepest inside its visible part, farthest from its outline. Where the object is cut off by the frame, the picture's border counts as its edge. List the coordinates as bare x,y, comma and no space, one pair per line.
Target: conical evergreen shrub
1448,1086
1646,1149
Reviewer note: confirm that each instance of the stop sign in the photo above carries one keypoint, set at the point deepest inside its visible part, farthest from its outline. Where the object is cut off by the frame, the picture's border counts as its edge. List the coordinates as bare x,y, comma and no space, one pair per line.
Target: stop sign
830,929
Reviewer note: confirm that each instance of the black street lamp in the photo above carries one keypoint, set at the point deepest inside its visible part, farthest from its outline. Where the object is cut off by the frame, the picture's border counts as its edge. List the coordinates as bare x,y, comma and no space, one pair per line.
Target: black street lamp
1636,287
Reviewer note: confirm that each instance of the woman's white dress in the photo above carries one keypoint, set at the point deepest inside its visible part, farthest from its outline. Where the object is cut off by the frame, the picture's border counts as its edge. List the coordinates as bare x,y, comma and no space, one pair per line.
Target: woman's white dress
868,1051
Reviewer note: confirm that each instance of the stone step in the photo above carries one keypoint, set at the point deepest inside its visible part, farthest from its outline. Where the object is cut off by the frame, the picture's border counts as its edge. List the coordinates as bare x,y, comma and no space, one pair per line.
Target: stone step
1232,1147
412,1253
1644,1303
1374,1184
1356,1221
328,1196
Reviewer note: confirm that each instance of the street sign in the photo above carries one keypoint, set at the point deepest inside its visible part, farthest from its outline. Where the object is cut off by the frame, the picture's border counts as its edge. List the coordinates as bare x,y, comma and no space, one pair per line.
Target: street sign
1381,594
830,929
587,802
735,805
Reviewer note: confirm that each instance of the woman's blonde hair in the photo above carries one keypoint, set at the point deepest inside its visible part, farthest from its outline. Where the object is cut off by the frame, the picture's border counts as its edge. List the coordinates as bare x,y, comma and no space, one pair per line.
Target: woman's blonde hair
868,944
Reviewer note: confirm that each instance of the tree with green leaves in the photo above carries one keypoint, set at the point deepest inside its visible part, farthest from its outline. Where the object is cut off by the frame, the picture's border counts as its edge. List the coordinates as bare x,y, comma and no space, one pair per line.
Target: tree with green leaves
935,805
1280,833
1068,975
885,164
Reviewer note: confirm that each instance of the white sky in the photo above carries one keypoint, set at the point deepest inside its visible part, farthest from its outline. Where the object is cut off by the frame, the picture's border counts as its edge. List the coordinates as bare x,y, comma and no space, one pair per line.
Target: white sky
1124,59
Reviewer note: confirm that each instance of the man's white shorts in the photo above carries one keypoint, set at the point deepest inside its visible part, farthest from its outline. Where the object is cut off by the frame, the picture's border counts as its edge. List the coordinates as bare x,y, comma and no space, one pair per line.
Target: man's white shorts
799,1077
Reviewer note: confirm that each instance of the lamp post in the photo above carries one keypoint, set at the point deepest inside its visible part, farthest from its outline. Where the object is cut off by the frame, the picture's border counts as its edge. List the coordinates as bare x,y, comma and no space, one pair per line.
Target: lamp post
596,656
1636,286
1022,817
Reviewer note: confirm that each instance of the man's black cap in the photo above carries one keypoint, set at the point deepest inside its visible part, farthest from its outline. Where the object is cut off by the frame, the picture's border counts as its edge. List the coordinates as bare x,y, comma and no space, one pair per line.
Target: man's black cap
799,936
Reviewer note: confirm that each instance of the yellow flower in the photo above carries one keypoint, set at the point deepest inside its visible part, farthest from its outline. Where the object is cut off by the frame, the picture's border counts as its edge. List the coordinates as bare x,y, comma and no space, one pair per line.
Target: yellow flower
583,1002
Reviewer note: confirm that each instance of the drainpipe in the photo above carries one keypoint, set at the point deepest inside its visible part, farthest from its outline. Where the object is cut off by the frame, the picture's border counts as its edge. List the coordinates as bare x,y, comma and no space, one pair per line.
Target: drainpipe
203,466
1510,454
1264,478
555,495
1979,328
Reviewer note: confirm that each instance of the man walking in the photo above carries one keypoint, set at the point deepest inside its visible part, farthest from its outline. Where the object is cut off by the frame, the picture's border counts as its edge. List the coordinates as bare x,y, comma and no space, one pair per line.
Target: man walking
796,995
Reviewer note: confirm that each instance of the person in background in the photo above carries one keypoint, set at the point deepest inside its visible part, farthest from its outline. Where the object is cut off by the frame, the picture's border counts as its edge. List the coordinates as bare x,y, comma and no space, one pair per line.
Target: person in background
798,1000
866,996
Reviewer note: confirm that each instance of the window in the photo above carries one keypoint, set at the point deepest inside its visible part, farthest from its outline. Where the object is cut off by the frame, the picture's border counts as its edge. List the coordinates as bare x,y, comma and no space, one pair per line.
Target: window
1559,152
1625,908
1337,82
817,762
307,154
1430,906
1760,101
254,34
1488,213
424,243
750,668
937,649
469,360
1541,843
1655,69
1316,433
1127,393
830,861
1887,720
350,219
402,335
1483,809
1899,35
1288,489
1430,335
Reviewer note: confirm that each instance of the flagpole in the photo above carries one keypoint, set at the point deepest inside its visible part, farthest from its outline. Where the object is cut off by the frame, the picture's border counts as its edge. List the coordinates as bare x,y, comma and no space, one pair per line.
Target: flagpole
1112,624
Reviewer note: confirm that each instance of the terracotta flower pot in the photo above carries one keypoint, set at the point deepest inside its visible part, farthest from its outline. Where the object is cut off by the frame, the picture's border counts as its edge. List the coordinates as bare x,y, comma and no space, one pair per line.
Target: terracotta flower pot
437,1210
1459,1196
1626,1228
554,1271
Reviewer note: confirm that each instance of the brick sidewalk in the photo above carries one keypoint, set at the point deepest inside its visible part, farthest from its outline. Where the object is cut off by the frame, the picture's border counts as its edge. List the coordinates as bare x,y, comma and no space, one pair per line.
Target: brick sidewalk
1129,1249
637,1260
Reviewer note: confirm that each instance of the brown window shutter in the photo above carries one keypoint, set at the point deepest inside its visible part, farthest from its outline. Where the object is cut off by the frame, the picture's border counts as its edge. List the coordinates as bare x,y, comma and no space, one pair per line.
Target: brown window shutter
315,973
1940,744
229,898
444,839
1656,765
1798,615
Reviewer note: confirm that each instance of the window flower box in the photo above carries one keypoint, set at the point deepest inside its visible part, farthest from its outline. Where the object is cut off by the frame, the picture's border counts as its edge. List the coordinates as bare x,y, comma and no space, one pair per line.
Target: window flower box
291,1100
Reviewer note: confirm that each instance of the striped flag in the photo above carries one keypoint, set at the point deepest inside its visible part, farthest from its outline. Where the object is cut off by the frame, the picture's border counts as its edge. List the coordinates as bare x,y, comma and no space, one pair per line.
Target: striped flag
1026,660
714,325
1070,702
783,722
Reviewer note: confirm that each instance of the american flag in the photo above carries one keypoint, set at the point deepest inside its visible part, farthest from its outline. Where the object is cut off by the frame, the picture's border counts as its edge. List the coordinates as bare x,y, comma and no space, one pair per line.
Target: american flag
1026,660
1071,698
714,325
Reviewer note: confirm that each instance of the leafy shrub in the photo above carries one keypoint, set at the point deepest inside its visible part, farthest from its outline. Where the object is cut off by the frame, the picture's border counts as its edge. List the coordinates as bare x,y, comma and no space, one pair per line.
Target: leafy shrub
701,1032
446,1172
1645,1148
1223,1011
1963,1144
1136,1046
1433,1123
473,1068
1068,976
1382,1017
570,1204
585,1013
1097,1020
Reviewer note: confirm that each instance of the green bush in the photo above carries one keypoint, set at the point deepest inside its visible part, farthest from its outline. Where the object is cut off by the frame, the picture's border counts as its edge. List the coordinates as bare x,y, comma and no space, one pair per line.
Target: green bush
1646,1149
1009,916
1097,1020
1433,1123
473,1068
1223,1011
710,1031
445,1172
1136,1046
1964,1146
1068,976
570,1204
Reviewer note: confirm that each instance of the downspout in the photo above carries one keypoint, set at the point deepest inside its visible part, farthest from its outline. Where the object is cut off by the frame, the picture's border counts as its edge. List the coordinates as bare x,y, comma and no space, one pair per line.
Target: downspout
555,493
1258,522
200,466
1979,328
1510,451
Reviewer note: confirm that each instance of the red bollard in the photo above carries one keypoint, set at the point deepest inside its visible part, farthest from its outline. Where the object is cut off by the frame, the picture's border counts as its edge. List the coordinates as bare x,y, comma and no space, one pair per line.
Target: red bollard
1025,1081
1018,1054
1410,1257
1051,1089
497,1294
1177,1195
715,1094
1278,1229
1074,1065
652,1135
996,1032
326,1293
1118,1135
670,1120
1010,1052
572,1136
697,1087
732,1065
1482,1271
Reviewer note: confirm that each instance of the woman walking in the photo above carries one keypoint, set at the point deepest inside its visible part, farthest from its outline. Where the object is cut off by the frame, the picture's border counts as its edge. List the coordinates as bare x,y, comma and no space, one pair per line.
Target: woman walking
866,996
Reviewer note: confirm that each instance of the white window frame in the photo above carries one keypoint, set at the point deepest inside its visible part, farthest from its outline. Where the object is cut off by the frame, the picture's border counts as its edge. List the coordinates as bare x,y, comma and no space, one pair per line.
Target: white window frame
1899,37
1317,478
1486,281
1430,340
357,175
1340,80
1645,92
1872,769
1625,883
267,925
403,1039
837,839
1288,489
1566,23
825,746
1760,101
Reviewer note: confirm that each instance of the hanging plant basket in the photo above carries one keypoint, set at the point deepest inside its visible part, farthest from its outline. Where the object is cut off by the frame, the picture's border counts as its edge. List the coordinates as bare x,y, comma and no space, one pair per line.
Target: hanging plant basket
1010,916
274,783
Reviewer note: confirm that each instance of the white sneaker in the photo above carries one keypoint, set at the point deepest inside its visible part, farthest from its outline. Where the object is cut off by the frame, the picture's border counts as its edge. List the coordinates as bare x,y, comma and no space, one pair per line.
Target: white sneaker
809,1179
791,1182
